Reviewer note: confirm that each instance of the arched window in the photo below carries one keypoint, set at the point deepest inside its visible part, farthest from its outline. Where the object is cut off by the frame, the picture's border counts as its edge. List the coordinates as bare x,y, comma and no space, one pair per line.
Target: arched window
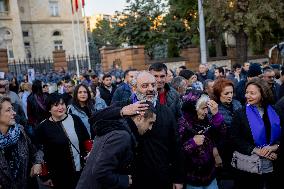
56,33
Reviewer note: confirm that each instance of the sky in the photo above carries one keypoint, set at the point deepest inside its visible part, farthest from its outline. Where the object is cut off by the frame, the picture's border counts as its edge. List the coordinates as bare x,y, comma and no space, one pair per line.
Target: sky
104,6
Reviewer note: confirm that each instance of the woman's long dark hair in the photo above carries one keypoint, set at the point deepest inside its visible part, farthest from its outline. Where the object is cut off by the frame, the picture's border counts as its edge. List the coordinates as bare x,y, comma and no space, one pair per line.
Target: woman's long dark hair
75,101
266,92
37,87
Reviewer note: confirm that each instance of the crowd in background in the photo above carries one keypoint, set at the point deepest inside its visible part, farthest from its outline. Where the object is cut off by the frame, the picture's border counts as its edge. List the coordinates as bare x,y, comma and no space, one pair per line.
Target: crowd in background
196,123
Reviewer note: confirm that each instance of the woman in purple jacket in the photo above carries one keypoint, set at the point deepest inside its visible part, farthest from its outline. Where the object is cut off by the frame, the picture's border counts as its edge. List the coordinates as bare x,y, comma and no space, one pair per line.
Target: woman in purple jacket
197,130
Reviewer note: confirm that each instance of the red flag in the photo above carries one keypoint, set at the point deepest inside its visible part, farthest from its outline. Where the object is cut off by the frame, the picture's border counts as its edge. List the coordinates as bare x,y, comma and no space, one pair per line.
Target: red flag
83,3
76,5
72,6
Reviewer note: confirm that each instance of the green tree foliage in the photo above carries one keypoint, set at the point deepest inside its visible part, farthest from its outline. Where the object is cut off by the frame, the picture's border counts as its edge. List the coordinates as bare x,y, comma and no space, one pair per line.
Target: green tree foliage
105,34
141,23
177,32
245,19
186,9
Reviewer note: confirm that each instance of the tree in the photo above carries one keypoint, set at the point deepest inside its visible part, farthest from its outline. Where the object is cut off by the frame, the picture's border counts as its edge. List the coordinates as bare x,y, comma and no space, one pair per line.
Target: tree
177,33
105,34
244,19
141,22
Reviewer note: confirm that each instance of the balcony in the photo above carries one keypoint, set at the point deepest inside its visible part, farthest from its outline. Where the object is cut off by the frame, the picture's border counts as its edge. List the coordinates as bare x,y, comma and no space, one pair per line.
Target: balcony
4,9
4,13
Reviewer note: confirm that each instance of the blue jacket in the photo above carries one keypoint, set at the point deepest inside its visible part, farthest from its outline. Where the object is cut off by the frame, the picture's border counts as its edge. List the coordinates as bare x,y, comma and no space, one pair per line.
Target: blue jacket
122,93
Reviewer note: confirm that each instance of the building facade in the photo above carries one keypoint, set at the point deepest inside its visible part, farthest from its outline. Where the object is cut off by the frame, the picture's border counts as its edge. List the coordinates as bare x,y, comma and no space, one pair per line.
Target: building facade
35,28
91,21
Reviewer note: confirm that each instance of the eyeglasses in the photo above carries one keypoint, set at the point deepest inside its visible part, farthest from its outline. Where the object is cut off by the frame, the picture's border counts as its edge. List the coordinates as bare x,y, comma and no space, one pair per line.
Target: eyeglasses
270,77
2,86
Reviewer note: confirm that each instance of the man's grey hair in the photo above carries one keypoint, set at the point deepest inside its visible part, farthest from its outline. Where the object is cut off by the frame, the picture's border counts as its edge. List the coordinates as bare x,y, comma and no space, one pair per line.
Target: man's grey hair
206,83
177,82
267,70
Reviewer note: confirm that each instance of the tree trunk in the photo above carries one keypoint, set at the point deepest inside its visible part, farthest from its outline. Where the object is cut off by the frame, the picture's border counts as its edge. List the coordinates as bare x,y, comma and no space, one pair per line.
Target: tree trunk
241,47
218,41
218,46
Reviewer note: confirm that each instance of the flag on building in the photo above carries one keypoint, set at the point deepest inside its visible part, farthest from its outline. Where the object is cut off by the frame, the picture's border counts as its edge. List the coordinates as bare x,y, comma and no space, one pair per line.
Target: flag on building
75,5
72,6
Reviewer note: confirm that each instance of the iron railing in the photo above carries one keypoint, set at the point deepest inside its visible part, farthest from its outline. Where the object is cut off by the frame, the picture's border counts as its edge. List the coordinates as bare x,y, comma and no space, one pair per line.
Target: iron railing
44,65
38,64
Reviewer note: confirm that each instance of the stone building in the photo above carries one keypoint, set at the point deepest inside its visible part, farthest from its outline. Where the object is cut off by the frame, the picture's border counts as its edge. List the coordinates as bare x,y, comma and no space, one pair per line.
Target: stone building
35,28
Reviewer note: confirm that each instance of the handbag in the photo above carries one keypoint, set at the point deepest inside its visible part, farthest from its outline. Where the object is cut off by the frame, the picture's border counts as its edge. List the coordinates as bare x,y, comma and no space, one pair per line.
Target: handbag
247,163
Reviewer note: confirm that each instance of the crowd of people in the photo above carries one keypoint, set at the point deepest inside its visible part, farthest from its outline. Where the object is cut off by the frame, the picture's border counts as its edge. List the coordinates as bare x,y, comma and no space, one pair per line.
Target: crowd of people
150,129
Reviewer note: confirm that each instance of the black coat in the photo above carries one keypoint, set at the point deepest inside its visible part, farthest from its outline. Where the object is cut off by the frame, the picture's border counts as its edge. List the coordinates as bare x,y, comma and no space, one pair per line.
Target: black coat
109,163
241,133
159,160
57,151
244,143
106,94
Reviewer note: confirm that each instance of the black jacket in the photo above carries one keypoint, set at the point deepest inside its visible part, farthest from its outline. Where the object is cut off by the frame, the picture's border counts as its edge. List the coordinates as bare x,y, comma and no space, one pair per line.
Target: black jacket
159,160
173,101
106,94
57,151
109,164
241,133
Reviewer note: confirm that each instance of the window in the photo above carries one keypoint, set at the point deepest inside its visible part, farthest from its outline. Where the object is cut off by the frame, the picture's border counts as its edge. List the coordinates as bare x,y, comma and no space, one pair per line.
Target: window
27,44
56,33
3,6
25,33
10,53
58,45
53,8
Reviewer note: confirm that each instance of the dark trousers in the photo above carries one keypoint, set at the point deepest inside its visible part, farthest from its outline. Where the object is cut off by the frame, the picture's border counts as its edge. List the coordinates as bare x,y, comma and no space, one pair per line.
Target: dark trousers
246,180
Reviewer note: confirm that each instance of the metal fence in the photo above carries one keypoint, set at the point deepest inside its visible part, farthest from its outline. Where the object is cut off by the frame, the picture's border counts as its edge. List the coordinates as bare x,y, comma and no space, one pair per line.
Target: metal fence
39,64
44,65
82,63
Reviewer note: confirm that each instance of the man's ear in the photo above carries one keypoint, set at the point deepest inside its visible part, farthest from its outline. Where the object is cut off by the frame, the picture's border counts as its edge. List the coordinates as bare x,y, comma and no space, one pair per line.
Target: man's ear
139,117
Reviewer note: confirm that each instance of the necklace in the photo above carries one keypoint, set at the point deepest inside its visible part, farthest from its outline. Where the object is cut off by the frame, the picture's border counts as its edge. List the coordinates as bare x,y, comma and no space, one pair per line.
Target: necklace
58,120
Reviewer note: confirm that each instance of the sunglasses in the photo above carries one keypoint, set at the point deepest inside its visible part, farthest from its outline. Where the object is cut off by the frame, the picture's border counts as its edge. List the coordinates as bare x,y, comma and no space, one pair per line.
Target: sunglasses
2,86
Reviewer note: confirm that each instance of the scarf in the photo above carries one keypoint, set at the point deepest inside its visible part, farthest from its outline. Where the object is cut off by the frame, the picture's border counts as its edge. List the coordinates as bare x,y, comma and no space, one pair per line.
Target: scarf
257,125
8,145
134,98
11,137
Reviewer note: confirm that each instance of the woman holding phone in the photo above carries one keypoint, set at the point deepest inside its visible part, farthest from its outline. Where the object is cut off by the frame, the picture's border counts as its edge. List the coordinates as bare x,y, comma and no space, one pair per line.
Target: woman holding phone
197,132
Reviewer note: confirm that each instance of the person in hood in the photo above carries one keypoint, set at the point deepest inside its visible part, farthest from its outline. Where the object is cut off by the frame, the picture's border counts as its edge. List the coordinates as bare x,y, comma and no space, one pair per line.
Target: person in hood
109,163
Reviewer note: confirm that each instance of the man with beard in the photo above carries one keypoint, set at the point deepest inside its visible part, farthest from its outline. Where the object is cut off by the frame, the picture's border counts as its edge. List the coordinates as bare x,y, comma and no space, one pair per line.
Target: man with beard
158,160
166,94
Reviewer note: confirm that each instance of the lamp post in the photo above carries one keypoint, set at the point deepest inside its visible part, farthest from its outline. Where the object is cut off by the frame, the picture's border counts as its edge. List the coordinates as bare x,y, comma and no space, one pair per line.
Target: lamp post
202,33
